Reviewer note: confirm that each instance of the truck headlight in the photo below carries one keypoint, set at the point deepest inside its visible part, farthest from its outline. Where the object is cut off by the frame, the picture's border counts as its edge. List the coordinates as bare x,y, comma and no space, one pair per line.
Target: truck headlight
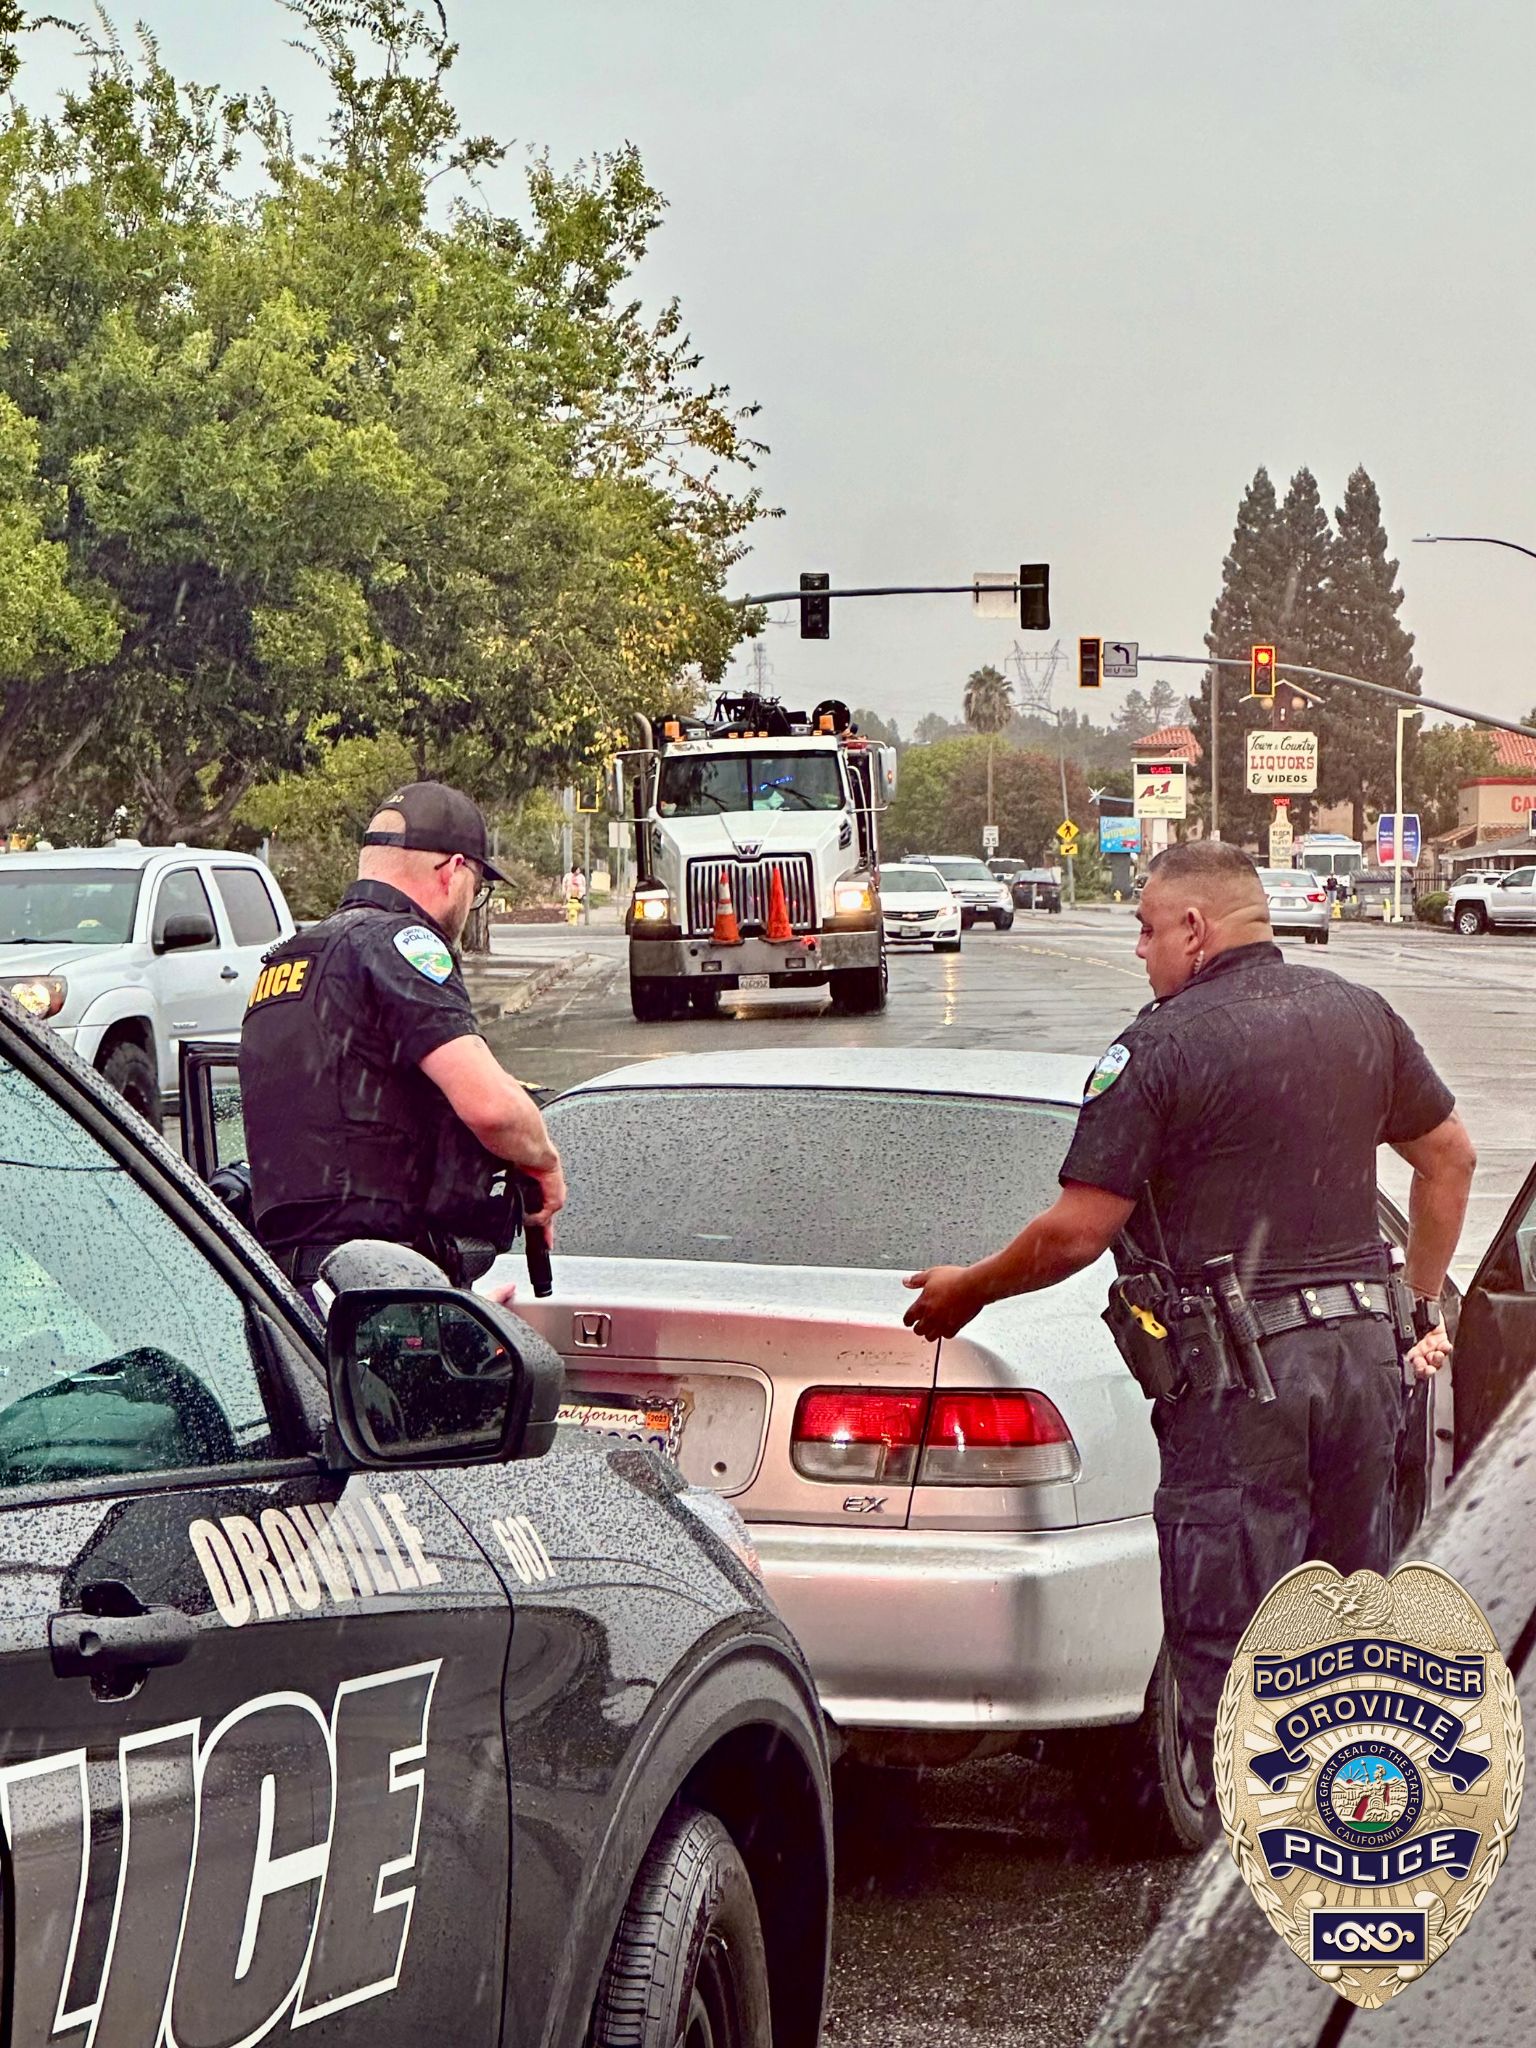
851,895
40,995
653,906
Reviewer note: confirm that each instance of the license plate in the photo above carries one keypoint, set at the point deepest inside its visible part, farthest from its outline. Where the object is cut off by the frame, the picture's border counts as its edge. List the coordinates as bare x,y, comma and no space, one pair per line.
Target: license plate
657,1423
753,981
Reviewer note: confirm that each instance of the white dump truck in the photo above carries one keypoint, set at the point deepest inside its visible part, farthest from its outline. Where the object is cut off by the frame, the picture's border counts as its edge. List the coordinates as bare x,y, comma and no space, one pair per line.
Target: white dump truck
757,856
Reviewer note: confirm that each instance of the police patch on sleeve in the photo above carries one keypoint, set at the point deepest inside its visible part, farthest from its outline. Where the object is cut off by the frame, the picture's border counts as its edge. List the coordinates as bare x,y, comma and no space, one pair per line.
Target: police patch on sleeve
425,951
1108,1071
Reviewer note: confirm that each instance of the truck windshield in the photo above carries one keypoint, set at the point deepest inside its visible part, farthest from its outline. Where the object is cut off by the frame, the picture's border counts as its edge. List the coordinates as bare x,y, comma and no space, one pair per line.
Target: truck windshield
68,906
700,785
1333,863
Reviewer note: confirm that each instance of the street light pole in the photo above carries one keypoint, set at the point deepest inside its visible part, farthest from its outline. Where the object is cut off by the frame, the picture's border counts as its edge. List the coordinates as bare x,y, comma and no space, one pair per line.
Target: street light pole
1480,540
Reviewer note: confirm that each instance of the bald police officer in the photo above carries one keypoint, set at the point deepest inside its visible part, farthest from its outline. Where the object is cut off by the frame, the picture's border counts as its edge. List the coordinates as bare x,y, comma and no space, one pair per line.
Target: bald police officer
1240,1114
373,1106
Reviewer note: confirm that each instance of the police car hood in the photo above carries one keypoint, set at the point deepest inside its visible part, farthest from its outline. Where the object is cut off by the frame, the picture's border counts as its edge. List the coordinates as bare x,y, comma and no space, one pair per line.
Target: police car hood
49,956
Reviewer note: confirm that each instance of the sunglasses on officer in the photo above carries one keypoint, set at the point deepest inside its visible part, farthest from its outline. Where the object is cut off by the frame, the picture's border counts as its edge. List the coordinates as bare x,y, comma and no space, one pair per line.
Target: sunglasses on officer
482,895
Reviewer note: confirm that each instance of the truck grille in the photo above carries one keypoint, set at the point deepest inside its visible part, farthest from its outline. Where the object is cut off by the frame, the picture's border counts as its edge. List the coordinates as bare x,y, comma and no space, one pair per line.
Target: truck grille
751,881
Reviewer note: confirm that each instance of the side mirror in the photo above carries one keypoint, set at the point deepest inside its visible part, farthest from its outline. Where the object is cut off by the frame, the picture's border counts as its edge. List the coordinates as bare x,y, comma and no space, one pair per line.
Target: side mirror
432,1376
617,808
187,928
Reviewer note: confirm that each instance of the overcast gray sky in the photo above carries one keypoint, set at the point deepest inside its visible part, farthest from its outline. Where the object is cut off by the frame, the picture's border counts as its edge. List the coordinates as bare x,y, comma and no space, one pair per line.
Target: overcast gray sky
1047,279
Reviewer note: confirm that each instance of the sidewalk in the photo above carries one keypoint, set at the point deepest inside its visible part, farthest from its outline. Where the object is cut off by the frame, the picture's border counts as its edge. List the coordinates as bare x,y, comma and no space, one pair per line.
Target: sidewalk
501,988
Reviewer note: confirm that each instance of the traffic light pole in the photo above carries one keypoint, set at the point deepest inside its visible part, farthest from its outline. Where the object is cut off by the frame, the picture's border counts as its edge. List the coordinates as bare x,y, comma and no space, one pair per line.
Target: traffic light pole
1328,675
881,590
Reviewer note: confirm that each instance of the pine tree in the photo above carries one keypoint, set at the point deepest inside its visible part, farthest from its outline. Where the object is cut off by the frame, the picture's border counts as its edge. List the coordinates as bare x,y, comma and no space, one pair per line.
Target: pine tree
1248,611
1163,703
1366,638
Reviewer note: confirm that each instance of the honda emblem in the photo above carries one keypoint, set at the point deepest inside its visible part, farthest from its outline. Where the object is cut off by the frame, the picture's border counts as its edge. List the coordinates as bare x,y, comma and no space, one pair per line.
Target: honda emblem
591,1331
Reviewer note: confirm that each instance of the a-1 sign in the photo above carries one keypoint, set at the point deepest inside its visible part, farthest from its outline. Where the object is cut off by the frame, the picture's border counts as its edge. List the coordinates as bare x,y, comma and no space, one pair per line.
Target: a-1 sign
1158,789
1396,847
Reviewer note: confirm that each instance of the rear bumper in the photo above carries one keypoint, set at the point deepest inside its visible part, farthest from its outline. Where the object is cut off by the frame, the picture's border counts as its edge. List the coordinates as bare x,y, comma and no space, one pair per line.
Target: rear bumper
811,957
1037,1629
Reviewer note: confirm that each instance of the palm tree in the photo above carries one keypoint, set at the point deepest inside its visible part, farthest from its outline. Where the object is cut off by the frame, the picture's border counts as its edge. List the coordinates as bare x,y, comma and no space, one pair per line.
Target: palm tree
988,708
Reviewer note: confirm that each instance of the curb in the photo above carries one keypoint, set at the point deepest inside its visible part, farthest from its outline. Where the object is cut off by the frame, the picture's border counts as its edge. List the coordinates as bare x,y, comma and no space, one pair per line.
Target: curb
491,1005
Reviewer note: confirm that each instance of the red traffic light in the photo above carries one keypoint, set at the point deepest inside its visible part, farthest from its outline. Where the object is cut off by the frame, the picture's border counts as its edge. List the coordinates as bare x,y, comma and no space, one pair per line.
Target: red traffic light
1262,672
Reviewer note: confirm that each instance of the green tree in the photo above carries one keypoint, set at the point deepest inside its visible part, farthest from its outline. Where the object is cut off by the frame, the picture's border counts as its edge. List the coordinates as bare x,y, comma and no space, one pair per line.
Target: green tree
1135,717
882,730
919,817
1164,705
1443,758
1365,638
930,727
1027,792
988,705
1249,610
337,467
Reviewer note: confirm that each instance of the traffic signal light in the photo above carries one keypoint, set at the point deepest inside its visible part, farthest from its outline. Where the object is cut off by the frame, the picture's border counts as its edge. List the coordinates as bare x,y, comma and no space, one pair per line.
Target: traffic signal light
1035,597
1090,670
815,606
1262,673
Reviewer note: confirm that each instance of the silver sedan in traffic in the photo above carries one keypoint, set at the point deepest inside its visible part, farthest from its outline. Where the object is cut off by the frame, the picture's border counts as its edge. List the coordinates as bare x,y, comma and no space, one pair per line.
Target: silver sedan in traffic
1299,905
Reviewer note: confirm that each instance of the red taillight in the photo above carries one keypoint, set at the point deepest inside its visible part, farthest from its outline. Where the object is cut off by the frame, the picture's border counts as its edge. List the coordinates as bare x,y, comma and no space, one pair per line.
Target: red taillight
1012,1438
859,1433
1317,896
1005,1439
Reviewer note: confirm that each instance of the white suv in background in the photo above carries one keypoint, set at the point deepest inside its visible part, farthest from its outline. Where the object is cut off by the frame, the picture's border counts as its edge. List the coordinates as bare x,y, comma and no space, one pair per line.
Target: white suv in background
128,949
978,891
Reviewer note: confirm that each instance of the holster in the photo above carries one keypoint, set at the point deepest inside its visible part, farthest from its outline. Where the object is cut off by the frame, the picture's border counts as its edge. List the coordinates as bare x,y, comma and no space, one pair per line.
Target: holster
1152,1359
1205,1355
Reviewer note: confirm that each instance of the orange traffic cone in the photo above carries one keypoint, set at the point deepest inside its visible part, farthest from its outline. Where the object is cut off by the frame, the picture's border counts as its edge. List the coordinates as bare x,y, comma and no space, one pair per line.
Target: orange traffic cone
779,929
727,932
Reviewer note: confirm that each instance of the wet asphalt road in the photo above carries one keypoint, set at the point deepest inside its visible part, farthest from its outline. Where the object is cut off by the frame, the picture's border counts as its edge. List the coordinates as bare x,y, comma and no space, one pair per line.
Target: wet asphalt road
976,1907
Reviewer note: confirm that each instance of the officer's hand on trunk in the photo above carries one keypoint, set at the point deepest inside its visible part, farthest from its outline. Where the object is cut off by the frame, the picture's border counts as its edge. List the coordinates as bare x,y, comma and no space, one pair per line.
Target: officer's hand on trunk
950,1297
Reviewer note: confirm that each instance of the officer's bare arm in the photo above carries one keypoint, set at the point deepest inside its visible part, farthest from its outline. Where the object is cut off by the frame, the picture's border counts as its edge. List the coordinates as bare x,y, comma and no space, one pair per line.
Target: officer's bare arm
1443,1163
506,1120
1079,1227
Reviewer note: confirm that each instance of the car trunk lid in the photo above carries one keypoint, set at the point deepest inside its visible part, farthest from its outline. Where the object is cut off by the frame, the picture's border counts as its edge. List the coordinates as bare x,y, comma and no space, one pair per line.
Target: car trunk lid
719,1358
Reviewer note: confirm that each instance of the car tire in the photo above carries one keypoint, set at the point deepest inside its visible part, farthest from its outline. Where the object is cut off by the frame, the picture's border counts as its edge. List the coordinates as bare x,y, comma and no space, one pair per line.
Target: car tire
1003,921
860,991
704,1001
1470,920
688,1962
967,919
1139,1782
129,1069
653,1001
1323,937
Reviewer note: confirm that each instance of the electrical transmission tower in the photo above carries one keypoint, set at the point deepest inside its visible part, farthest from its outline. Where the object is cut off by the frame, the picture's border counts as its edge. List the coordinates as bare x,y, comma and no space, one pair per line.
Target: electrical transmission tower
1033,676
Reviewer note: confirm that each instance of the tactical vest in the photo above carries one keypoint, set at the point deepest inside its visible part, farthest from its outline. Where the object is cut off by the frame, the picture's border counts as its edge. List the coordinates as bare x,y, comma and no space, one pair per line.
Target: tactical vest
344,1139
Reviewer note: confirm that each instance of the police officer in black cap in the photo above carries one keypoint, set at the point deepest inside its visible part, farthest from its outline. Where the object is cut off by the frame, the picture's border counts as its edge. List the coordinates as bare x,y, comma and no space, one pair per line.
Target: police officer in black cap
373,1106
1226,1147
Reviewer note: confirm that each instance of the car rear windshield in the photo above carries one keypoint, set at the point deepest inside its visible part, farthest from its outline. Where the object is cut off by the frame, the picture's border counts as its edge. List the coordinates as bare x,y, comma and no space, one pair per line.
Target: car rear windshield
68,906
1285,878
912,882
703,785
876,1179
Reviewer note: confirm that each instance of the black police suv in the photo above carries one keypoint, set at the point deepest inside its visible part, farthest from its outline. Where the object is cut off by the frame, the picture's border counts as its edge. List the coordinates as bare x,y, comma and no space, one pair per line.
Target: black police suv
339,1690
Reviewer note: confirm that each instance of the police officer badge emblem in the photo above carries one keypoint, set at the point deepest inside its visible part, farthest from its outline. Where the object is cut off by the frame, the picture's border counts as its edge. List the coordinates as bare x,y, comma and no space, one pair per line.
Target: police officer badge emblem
1369,1762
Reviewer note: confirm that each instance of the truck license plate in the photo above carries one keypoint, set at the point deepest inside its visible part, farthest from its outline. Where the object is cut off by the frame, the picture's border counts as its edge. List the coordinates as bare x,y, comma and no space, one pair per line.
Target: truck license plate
657,1423
752,981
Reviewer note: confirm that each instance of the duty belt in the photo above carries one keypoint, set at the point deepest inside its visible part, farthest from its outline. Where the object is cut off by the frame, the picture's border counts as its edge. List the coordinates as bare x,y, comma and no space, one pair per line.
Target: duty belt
1299,1308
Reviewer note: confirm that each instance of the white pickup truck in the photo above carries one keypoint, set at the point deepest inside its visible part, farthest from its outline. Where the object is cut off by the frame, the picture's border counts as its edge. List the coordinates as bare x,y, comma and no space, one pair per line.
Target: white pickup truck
128,949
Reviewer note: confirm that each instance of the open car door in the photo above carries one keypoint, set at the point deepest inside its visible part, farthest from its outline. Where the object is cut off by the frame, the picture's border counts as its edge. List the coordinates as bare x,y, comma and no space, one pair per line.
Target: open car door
1496,1338
212,1125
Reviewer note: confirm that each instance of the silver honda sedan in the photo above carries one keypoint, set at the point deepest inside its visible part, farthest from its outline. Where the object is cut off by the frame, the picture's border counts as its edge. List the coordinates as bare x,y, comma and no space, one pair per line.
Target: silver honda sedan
960,1534
1298,904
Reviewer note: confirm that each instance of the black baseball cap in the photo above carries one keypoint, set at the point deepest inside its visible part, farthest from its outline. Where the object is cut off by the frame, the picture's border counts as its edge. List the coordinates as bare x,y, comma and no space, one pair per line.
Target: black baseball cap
438,820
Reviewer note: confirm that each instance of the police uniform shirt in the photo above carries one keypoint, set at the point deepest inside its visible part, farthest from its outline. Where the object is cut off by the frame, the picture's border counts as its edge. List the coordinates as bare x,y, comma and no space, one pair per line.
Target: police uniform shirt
340,1121
1250,1106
